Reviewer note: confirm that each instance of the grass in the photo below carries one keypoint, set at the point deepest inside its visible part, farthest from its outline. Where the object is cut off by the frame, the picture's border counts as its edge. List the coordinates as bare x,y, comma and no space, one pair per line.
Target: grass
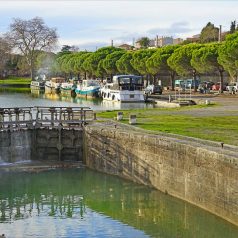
16,80
15,90
214,128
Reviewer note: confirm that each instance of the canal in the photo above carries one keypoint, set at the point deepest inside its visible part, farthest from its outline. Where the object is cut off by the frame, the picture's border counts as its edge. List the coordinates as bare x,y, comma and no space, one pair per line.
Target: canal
85,203
57,100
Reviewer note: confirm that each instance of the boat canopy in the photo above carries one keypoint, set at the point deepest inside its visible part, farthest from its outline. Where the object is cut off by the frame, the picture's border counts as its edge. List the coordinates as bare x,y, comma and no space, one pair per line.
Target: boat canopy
127,79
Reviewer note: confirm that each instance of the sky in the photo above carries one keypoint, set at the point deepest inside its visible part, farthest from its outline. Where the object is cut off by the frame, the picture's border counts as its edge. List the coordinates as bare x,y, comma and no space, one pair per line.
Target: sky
91,24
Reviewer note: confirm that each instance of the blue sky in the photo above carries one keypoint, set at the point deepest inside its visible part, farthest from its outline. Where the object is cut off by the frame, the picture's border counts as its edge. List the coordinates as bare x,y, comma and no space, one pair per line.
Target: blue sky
90,24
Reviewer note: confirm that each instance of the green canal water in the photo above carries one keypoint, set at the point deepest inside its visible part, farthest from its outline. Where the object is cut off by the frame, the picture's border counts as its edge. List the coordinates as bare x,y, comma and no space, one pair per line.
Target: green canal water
85,203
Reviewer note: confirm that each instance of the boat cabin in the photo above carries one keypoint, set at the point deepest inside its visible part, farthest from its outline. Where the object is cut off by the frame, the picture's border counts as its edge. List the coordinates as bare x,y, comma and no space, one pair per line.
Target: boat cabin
128,82
58,80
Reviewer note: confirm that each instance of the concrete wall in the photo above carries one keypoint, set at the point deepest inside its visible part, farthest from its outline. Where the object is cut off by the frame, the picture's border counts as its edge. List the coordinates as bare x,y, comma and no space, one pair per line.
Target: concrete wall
200,173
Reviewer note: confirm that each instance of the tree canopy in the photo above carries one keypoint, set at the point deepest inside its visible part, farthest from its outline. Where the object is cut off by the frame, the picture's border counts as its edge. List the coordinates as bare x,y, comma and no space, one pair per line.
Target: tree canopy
124,64
144,42
30,37
205,60
228,55
180,60
209,33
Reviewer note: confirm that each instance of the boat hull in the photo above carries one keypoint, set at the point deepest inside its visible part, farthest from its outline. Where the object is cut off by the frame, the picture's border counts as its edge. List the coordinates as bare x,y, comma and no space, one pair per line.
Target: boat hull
87,92
123,96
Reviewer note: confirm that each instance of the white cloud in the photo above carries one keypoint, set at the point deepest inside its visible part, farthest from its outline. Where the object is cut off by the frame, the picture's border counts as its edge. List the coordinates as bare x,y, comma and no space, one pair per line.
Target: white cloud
101,21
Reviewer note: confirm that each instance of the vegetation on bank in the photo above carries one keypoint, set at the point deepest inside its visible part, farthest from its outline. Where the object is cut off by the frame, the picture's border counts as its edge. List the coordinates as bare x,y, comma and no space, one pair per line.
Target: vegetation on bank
16,81
15,90
178,121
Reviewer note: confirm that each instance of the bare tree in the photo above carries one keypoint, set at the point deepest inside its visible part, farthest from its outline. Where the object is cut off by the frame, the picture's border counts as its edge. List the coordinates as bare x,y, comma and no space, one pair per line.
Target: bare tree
30,37
5,50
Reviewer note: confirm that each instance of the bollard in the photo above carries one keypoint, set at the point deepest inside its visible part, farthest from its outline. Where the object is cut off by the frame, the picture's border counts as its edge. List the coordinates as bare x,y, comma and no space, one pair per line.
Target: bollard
207,102
132,119
119,116
94,116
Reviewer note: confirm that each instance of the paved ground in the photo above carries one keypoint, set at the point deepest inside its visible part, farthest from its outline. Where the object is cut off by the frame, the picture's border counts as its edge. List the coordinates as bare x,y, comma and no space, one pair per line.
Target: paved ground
225,105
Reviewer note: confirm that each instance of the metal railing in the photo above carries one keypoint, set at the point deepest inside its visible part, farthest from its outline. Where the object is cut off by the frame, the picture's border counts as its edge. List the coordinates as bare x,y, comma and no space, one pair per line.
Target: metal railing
30,117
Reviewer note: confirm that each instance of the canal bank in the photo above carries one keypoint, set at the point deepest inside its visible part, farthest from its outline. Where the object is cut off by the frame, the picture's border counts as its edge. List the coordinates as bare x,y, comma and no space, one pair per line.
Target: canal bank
201,172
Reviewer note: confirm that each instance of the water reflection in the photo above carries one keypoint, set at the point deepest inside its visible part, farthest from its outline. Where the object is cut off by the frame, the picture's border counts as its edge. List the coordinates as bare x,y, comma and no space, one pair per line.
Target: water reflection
115,207
41,98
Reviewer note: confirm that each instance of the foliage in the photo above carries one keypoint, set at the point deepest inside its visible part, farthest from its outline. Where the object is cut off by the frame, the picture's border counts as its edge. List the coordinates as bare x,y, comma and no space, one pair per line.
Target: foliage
92,62
233,27
228,54
5,50
109,63
139,59
209,33
124,64
30,37
158,61
180,60
205,59
144,42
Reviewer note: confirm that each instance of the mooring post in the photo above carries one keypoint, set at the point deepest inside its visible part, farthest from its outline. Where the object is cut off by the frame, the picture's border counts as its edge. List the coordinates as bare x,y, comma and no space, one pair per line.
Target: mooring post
132,119
119,116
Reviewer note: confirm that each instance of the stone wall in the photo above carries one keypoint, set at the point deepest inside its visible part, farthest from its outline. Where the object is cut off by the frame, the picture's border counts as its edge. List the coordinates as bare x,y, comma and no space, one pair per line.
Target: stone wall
41,144
199,172
15,146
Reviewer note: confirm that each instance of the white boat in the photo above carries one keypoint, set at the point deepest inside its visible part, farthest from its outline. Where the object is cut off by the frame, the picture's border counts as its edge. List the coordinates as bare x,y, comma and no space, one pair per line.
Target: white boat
54,84
37,84
88,88
124,88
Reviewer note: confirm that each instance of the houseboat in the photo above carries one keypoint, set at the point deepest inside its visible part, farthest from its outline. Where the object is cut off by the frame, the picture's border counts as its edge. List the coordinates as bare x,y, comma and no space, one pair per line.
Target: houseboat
88,88
54,84
37,85
124,88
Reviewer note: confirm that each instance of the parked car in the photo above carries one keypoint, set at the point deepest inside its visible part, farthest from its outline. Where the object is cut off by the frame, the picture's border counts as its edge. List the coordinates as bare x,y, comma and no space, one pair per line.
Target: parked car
205,87
216,87
232,88
153,89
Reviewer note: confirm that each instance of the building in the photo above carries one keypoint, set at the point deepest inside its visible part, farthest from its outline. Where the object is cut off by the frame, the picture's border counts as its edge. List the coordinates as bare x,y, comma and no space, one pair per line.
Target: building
126,47
164,40
194,38
177,41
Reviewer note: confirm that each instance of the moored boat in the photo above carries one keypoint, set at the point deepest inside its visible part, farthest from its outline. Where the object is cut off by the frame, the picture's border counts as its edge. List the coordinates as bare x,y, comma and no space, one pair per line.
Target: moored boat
37,84
88,88
54,84
124,88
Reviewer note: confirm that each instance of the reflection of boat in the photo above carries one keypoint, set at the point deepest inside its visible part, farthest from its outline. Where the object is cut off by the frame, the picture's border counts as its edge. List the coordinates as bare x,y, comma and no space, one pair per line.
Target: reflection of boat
36,92
52,96
124,88
37,84
88,88
54,84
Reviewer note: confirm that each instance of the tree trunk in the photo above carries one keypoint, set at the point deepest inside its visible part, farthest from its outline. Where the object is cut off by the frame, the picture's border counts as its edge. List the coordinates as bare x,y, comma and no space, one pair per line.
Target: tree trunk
194,80
32,72
154,79
221,80
172,76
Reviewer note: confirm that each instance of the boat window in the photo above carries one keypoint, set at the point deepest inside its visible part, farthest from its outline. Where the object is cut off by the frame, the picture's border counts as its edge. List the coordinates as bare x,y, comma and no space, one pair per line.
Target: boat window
136,80
124,80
